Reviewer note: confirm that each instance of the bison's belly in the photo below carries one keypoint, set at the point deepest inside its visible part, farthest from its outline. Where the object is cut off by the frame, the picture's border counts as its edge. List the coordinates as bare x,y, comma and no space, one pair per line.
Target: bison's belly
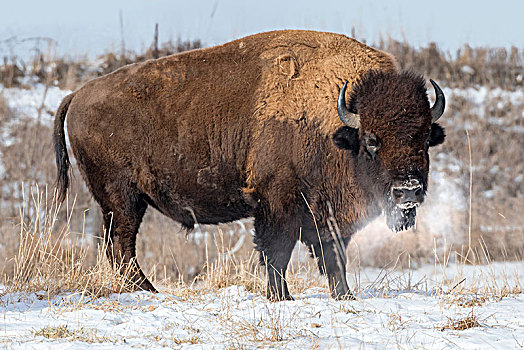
210,196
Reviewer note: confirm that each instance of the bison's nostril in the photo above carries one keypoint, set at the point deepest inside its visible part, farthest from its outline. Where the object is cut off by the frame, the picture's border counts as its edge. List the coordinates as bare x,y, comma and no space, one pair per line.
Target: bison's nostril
410,193
397,193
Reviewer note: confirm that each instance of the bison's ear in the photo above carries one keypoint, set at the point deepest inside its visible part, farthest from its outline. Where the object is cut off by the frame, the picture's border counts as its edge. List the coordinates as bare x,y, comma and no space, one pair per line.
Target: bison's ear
437,135
346,138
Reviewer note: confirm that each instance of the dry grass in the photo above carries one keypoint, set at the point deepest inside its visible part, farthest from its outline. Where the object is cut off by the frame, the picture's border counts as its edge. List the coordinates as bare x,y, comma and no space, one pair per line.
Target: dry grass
272,327
63,332
54,259
54,332
69,73
461,324
191,340
471,301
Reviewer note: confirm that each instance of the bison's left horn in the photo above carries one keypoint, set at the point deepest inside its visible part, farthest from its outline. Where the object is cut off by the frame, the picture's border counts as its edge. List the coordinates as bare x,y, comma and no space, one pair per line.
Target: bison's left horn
350,119
440,102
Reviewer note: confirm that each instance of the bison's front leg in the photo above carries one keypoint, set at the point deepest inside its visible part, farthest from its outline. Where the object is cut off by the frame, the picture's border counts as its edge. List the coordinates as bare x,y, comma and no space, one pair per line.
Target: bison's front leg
331,261
275,248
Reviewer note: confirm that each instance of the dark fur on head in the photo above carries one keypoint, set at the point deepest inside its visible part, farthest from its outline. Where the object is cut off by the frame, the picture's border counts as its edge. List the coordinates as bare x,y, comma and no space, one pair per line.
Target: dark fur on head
347,138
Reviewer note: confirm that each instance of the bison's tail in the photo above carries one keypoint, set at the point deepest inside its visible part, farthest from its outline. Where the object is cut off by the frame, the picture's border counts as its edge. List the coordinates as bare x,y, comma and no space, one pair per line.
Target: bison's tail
62,158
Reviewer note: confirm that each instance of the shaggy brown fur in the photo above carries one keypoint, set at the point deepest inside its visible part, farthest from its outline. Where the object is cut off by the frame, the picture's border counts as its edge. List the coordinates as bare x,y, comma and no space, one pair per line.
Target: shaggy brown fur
244,129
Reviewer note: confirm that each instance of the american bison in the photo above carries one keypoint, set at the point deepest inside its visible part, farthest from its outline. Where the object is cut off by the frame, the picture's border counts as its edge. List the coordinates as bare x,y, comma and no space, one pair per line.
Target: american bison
258,127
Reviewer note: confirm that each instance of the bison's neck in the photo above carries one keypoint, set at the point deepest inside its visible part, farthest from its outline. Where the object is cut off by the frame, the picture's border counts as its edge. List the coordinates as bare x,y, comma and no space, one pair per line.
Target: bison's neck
296,167
331,181
342,194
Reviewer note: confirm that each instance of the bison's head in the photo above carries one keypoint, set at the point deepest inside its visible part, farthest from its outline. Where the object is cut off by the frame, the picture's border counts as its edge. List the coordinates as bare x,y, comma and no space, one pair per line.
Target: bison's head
389,127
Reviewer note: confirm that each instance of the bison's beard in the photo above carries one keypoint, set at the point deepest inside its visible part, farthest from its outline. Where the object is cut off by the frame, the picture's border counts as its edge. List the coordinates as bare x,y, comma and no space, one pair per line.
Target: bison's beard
399,219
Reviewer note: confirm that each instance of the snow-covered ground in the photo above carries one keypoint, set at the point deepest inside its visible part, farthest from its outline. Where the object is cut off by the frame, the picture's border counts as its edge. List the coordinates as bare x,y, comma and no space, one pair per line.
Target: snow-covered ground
482,311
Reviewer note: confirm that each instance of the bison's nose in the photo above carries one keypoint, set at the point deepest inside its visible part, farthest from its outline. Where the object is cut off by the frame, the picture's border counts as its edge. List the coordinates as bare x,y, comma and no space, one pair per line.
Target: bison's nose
407,194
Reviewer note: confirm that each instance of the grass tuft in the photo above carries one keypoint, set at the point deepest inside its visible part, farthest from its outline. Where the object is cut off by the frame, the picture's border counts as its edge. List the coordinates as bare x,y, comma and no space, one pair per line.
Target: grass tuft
470,321
63,332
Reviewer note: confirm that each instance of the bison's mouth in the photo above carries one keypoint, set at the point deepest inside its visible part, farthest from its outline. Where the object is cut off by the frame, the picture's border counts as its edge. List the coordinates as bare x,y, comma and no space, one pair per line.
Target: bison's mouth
401,218
401,201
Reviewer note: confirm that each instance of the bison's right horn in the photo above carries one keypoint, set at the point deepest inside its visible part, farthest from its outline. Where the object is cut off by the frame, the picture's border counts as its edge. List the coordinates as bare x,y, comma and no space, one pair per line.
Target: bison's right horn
350,119
440,102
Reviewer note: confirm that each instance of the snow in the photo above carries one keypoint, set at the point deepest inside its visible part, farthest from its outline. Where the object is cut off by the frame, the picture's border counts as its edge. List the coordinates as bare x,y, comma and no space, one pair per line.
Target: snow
386,314
467,69
28,101
478,95
484,100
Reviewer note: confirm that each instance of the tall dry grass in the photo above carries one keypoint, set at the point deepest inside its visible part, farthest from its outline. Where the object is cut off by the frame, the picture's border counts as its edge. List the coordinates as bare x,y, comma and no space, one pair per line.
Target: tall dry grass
52,258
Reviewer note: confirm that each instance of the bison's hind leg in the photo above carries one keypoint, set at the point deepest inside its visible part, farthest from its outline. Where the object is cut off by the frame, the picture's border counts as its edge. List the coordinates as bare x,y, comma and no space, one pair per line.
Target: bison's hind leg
122,218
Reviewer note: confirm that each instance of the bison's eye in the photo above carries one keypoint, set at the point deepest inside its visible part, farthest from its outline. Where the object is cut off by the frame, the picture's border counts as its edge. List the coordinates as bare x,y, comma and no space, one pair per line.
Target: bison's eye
372,144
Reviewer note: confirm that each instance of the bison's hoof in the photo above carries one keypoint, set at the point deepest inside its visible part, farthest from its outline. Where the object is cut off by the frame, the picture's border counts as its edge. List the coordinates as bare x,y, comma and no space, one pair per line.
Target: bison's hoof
147,287
130,287
150,289
273,297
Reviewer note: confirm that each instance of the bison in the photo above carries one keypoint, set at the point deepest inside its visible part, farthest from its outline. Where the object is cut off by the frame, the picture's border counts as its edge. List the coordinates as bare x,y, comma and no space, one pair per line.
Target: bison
258,127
